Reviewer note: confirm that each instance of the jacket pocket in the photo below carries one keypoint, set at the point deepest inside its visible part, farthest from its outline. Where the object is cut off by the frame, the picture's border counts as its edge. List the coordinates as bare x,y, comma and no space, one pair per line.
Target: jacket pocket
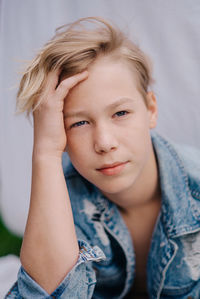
169,292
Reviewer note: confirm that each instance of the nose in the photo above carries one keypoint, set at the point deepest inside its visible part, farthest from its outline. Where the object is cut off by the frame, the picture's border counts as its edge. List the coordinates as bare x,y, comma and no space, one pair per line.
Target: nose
105,140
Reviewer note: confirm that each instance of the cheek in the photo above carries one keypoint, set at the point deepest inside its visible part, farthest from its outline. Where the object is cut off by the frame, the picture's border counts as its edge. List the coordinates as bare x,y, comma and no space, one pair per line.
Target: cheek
138,140
73,149
79,155
77,147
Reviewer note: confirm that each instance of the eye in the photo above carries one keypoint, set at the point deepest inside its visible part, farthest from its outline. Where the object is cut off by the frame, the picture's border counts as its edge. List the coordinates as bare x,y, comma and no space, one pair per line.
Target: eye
121,113
79,124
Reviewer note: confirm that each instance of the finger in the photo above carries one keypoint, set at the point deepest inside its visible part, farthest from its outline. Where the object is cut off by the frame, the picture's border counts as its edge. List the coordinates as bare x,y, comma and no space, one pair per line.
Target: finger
48,89
67,84
52,81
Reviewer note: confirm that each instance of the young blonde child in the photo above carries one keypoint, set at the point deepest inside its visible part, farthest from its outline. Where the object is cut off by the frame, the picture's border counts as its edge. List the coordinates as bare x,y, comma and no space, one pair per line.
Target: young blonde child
123,218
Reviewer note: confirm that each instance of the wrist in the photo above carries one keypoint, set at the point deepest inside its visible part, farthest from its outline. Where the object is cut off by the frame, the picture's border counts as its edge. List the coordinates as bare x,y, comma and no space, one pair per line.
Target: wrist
46,155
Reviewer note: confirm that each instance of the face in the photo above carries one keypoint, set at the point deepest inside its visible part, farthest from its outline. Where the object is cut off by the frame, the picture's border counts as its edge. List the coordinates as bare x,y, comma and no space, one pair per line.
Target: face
108,128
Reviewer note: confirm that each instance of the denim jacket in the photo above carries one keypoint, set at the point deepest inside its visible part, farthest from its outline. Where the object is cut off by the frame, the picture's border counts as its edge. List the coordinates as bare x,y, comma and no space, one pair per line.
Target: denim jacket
106,264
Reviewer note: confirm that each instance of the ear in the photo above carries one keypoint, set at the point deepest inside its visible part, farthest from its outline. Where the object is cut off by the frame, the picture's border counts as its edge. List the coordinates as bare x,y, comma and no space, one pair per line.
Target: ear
152,109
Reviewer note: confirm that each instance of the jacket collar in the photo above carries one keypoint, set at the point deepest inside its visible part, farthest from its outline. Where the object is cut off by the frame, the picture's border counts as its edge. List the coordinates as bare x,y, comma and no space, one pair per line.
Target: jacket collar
178,205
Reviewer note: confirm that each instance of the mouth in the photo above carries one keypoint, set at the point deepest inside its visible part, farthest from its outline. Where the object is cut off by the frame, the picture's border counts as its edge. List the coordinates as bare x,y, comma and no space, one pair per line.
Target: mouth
112,169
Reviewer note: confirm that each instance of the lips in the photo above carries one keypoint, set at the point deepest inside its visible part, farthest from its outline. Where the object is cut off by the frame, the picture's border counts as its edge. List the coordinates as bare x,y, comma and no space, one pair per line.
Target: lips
112,169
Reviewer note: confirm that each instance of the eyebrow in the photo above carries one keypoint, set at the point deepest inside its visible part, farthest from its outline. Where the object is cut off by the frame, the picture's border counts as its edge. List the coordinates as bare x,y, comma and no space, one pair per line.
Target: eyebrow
82,113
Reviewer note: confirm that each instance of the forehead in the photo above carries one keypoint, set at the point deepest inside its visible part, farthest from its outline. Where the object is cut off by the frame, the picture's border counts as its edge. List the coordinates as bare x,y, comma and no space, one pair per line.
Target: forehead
108,79
113,65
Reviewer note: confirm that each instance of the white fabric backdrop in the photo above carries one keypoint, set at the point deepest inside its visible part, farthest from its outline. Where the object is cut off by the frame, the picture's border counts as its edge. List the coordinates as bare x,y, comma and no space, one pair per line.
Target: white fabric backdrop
169,31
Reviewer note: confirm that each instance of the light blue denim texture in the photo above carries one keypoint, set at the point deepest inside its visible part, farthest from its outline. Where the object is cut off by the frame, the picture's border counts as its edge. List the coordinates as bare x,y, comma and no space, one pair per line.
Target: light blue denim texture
106,265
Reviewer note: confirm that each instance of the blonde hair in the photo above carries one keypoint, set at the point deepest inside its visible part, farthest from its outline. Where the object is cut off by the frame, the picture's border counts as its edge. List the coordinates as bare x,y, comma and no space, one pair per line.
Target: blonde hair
73,49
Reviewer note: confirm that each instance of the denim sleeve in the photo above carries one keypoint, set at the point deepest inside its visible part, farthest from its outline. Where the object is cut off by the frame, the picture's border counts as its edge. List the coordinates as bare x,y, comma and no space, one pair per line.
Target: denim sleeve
79,282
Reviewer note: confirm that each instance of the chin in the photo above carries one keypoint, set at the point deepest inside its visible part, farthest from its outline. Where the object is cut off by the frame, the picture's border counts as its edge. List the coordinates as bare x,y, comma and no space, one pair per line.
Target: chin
114,187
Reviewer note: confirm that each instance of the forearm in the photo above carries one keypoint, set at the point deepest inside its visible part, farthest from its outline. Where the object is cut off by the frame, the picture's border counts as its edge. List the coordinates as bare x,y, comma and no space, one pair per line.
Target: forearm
50,247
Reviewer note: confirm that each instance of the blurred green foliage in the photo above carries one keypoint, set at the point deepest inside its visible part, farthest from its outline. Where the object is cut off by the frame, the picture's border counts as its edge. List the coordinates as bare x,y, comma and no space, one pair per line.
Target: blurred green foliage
9,242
